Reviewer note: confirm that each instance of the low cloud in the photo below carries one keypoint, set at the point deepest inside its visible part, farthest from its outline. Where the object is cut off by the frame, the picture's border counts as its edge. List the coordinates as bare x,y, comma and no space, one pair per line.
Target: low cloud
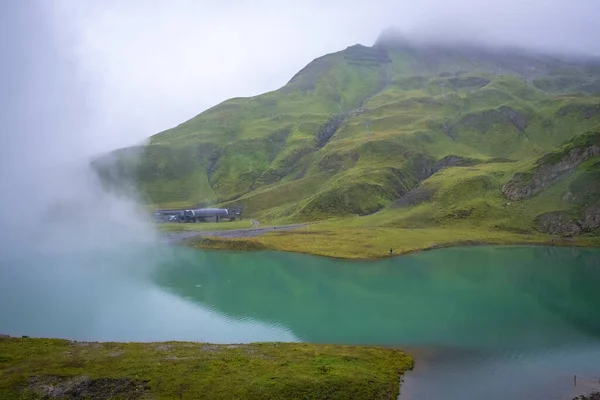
56,219
153,64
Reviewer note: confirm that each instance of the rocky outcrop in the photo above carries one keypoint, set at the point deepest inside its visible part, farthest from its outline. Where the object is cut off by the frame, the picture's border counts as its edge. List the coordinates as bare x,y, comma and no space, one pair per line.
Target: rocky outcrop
591,218
423,166
591,396
452,161
329,128
552,167
357,112
586,111
558,223
368,56
515,117
416,196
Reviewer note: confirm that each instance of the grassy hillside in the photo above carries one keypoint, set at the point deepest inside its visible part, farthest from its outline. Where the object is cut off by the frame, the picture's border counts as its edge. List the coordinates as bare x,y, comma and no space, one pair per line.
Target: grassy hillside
355,132
467,204
60,369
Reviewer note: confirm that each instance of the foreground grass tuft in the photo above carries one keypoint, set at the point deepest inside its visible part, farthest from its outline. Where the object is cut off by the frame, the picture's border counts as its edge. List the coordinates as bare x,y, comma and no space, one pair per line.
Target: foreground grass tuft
53,368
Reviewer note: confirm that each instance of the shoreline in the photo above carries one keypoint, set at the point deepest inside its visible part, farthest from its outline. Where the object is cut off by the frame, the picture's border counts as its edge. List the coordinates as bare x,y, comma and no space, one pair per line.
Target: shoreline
244,233
207,242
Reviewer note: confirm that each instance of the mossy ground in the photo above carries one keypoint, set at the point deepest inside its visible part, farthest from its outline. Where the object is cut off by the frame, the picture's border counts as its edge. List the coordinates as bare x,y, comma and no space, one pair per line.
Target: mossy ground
338,239
204,226
33,368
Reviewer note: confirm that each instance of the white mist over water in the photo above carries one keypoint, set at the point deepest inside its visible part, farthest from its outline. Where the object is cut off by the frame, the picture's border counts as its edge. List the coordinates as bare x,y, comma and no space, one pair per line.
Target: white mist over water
76,262
57,224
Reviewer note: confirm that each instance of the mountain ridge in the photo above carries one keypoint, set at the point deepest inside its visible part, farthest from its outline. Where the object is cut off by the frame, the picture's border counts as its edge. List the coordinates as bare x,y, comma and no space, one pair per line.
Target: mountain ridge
356,130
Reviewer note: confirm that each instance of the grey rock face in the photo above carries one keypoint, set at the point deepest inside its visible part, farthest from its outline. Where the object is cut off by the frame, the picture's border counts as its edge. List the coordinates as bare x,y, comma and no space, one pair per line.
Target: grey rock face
558,223
515,117
416,196
522,186
329,128
591,218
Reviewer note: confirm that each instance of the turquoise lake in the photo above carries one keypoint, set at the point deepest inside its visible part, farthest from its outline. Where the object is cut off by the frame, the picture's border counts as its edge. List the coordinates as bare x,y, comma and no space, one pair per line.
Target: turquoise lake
482,322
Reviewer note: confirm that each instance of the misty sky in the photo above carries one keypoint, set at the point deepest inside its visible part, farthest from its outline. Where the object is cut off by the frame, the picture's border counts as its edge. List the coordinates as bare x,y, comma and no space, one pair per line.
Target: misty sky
141,66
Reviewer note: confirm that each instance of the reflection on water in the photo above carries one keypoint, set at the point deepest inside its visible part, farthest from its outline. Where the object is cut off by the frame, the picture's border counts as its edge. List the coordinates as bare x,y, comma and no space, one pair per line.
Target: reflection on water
483,322
471,297
525,374
108,297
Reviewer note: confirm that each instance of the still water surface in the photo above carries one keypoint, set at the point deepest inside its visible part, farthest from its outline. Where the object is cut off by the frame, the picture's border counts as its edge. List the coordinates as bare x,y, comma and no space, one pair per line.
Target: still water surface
482,322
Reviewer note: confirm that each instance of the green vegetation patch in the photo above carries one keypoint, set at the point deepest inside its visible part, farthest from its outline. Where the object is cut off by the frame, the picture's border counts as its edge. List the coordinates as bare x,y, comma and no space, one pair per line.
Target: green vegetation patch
584,189
60,369
585,140
224,244
203,226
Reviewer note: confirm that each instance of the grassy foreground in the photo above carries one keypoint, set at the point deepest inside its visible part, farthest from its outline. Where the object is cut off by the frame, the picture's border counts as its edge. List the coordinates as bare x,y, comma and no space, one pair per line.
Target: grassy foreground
53,368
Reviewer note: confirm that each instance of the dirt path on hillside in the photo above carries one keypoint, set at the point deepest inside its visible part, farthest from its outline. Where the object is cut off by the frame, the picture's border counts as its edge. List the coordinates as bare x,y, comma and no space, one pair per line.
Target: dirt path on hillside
174,237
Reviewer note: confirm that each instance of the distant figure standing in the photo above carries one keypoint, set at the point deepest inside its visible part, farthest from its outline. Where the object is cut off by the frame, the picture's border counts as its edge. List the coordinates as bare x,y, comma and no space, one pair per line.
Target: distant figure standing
391,251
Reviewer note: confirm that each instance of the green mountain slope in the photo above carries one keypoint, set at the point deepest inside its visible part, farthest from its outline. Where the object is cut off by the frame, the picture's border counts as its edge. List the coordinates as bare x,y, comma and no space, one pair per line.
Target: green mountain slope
355,131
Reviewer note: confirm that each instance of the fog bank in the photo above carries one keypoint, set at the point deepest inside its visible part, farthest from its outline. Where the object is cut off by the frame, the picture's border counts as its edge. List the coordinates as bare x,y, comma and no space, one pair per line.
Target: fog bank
154,64
54,216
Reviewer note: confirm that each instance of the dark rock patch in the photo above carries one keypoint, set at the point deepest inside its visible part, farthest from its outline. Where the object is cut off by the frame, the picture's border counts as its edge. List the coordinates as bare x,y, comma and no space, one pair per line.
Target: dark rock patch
591,396
415,197
591,218
368,56
328,129
558,223
424,166
552,167
586,111
357,112
81,387
452,161
515,117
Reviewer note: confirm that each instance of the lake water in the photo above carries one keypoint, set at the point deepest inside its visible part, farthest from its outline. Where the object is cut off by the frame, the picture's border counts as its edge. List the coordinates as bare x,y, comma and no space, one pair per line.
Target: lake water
482,322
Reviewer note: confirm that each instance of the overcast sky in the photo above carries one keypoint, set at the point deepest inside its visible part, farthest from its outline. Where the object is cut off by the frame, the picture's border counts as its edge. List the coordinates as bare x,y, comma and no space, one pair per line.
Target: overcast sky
141,66
149,64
